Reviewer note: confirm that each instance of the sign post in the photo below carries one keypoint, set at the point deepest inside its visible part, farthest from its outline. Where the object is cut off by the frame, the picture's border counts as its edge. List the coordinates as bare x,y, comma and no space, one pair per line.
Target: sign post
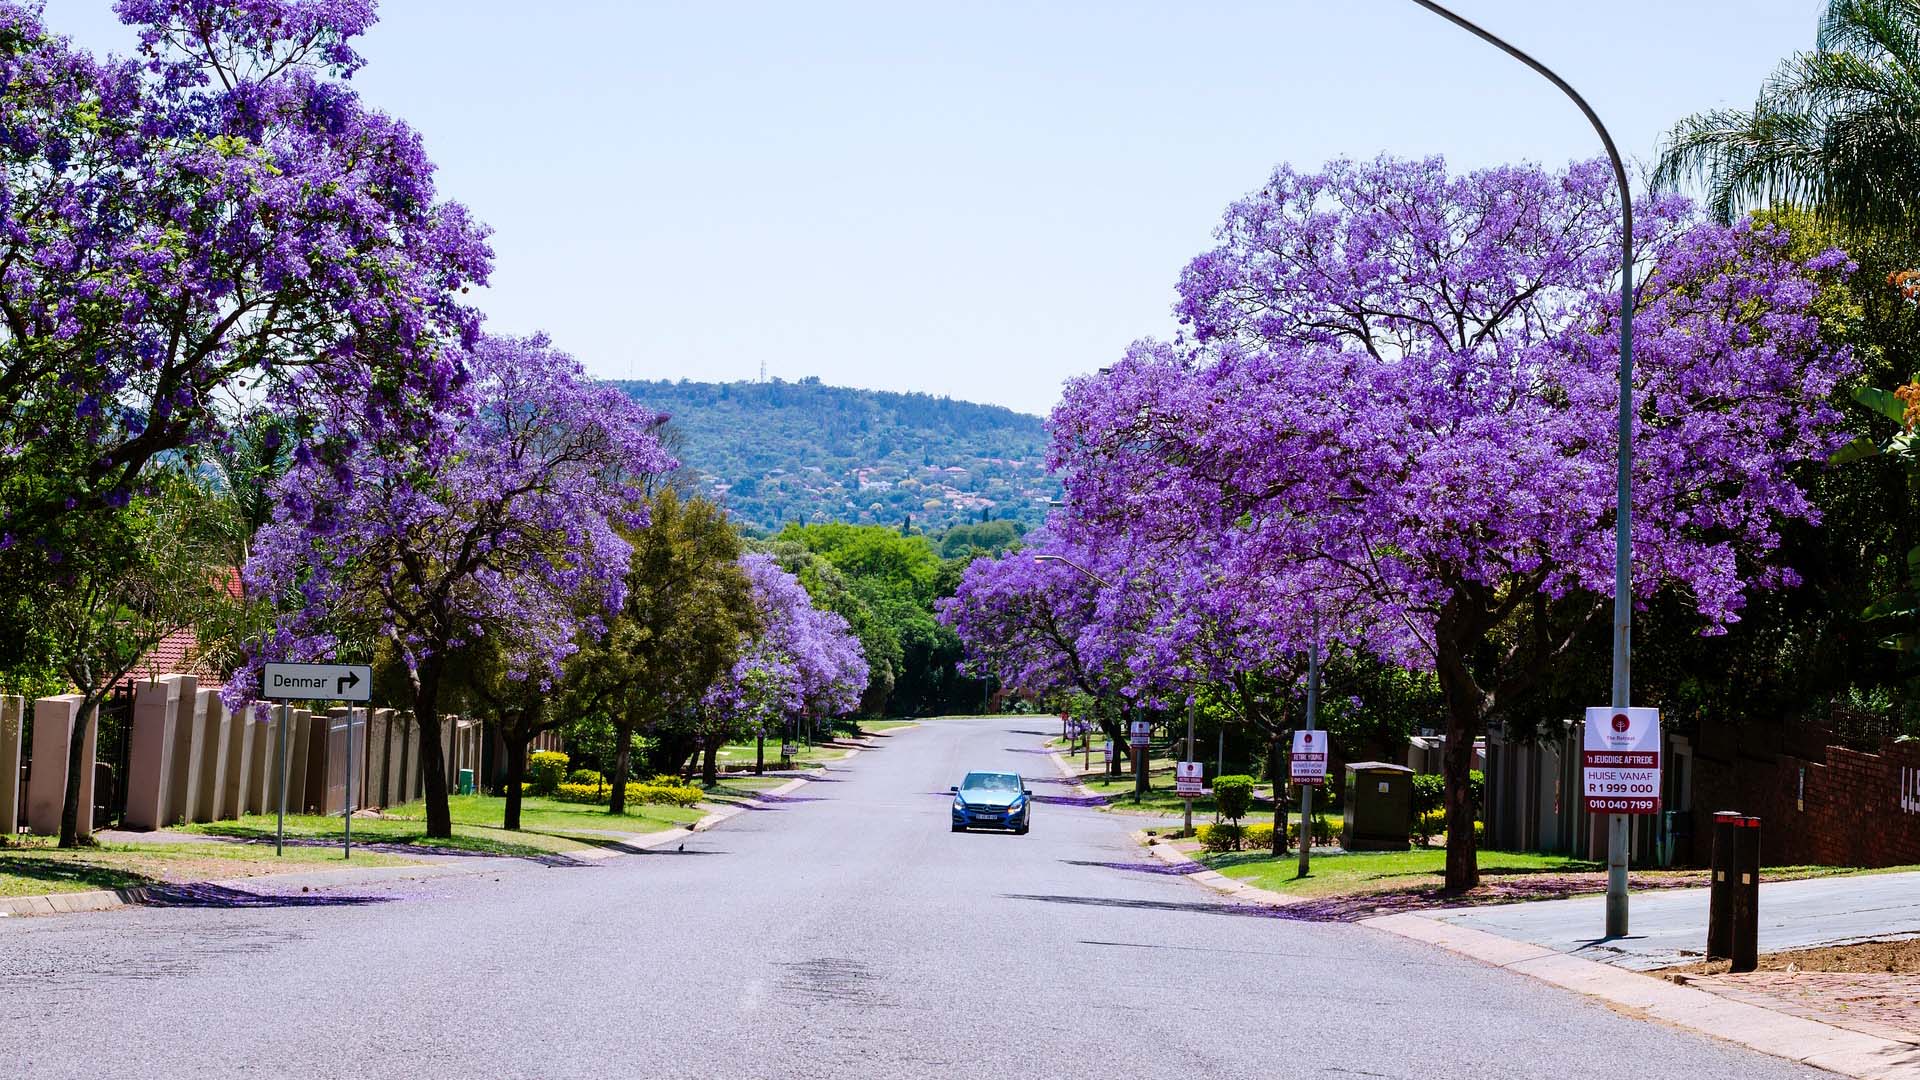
1307,765
1187,776
315,682
1141,734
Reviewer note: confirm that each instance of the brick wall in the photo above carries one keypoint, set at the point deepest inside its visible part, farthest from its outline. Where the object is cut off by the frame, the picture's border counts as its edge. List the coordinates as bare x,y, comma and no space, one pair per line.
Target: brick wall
1835,806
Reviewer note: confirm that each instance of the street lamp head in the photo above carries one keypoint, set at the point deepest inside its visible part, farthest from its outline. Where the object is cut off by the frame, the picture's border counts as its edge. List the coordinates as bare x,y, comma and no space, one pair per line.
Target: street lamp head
1048,558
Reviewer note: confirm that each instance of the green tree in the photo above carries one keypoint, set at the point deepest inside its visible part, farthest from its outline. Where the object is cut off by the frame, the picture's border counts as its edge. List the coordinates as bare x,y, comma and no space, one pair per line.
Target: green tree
163,570
687,604
897,578
1836,128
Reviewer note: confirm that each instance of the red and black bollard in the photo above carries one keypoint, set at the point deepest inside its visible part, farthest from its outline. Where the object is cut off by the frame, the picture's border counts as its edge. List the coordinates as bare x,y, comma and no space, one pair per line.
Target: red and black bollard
1733,911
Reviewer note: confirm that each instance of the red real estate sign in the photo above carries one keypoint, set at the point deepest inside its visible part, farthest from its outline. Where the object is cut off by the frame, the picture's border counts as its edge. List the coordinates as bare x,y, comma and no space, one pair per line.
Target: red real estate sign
1309,762
1188,779
1621,758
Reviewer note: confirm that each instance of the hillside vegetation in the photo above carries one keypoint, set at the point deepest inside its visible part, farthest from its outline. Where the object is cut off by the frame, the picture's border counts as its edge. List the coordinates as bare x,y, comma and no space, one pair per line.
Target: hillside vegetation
778,452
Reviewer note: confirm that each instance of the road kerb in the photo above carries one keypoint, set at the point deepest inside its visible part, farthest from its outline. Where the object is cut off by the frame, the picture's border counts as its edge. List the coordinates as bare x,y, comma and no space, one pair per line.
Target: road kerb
1214,879
1809,1042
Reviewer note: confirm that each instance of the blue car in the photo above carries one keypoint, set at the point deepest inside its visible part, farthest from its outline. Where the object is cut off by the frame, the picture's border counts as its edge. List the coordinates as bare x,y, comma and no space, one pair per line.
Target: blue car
993,800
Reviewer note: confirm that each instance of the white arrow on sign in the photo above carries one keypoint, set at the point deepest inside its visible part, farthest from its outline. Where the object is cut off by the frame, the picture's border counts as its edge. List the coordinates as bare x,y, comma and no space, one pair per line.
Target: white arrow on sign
317,682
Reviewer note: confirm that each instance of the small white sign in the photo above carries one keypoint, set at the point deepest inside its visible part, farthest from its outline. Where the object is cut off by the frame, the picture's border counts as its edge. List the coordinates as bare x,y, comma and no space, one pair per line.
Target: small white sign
317,682
1309,762
1106,751
1142,732
1621,759
1188,779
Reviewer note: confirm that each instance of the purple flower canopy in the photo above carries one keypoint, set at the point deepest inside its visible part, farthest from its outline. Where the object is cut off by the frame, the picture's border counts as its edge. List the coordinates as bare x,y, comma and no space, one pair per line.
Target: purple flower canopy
1395,408
501,521
217,218
802,662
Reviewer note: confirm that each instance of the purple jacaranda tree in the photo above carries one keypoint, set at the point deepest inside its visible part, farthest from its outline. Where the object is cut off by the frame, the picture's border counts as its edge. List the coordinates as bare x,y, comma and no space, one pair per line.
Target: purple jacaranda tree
799,662
1401,383
1042,625
504,521
191,230
195,229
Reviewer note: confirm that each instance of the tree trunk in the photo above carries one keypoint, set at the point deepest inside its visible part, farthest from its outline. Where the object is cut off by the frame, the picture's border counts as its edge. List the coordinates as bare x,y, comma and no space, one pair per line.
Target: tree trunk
622,750
760,752
433,763
70,808
1464,714
710,764
516,745
1275,772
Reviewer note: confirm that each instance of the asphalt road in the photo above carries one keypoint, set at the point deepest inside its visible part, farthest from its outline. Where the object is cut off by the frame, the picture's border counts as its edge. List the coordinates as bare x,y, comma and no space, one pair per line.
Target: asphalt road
845,933
1670,927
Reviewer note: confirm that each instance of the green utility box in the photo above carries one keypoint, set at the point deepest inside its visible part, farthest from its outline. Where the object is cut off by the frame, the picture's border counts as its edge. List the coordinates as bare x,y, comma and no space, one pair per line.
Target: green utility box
465,787
1379,807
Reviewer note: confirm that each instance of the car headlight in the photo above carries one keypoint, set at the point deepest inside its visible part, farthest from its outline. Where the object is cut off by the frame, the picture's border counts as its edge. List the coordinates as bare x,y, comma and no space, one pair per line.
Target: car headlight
1014,808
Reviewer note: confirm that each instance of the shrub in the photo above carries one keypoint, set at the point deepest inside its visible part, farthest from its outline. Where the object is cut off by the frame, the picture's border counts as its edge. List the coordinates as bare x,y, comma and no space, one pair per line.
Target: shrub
675,794
585,776
1233,796
1429,793
545,770
1219,838
1258,837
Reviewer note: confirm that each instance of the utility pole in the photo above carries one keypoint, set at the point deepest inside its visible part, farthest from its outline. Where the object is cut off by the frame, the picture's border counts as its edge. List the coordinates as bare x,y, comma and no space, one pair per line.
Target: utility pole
1140,756
1617,832
1313,717
1188,831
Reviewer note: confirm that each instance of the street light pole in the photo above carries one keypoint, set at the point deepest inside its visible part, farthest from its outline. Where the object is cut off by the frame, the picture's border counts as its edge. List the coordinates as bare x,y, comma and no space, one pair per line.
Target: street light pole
1313,717
1623,500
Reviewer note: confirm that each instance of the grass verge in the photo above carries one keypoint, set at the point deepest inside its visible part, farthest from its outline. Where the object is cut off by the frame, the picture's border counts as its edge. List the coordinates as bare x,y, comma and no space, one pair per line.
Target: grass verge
33,869
546,826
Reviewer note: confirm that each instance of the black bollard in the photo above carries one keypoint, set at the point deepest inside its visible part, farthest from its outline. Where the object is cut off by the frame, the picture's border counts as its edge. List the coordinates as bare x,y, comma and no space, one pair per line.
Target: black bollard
1733,907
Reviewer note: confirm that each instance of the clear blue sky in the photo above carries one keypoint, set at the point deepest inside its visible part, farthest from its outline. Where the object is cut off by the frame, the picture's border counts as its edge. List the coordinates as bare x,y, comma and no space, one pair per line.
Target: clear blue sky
969,199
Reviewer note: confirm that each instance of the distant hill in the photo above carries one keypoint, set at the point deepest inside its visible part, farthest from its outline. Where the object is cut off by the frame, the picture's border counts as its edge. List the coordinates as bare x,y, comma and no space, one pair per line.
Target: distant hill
777,452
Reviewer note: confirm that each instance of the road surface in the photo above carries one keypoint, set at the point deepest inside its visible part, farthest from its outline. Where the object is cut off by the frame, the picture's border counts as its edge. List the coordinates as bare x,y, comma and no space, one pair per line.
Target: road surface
1670,927
845,933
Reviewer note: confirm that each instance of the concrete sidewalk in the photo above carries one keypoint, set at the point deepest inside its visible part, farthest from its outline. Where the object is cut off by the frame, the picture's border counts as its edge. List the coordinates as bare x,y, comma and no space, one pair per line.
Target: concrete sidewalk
1670,927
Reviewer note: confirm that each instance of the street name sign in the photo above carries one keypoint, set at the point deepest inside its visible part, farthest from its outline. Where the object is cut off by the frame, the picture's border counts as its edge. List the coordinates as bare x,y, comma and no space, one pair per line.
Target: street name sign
1309,762
1621,761
317,682
1188,779
1141,732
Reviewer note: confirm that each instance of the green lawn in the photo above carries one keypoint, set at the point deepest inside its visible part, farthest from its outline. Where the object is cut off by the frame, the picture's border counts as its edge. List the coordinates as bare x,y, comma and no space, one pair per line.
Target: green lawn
1379,871
35,869
742,753
551,816
1360,873
545,826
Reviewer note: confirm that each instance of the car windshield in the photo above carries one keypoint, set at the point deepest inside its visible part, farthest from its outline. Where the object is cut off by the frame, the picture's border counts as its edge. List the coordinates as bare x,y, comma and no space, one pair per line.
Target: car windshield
991,781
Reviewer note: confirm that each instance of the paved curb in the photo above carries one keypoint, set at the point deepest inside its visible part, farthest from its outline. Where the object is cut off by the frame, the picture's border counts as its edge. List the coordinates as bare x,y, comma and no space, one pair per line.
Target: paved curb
1809,1042
109,899
1214,879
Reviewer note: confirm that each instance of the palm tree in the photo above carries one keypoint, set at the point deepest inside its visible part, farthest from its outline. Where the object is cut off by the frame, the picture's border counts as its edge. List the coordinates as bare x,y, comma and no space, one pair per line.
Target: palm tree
1836,130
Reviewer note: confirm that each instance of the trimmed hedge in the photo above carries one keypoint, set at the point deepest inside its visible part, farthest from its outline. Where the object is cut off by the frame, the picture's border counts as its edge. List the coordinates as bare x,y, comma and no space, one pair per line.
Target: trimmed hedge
655,794
1222,838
